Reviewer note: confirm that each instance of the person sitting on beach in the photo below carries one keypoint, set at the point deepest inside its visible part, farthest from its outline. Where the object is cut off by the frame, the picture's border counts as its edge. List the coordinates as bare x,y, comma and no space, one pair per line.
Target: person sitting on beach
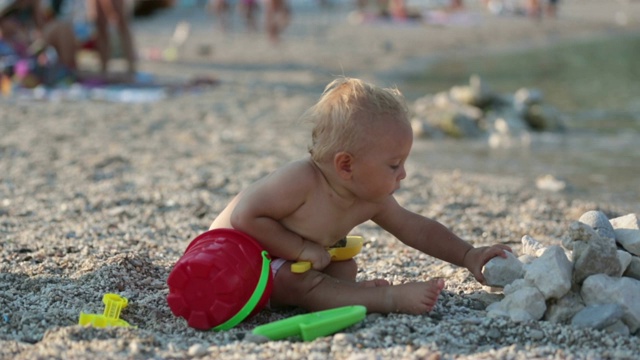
360,142
24,26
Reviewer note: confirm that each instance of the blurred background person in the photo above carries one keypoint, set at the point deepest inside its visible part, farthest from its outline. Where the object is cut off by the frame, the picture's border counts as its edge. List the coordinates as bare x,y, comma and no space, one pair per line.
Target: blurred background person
277,18
221,10
248,9
108,13
24,25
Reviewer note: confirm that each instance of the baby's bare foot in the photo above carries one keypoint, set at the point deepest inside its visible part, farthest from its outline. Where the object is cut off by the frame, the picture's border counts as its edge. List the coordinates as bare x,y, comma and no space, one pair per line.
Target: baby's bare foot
373,283
415,298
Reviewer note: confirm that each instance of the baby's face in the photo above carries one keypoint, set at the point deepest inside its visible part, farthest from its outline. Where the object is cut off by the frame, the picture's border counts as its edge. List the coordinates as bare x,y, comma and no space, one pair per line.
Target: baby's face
379,168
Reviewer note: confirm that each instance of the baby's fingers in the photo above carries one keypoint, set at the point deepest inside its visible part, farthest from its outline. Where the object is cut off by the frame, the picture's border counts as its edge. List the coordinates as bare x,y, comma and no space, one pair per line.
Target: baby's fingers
495,250
322,261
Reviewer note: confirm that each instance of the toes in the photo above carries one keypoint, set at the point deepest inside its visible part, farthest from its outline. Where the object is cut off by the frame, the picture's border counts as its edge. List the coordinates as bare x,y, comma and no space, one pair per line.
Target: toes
437,284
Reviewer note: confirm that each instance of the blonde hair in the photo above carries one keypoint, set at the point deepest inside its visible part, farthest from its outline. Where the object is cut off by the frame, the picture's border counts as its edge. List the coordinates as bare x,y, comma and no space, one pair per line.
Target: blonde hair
347,107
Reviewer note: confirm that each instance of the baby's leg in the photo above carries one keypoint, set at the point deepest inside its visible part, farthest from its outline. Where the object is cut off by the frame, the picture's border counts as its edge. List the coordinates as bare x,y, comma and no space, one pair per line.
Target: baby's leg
347,270
343,270
315,291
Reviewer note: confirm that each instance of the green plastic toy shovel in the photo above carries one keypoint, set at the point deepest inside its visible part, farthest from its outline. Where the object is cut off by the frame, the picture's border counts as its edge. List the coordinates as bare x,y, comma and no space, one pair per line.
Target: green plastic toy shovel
313,325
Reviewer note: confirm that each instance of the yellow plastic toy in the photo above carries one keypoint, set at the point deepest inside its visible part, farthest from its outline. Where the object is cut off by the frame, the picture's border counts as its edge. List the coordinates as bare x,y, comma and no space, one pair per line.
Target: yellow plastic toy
111,317
349,250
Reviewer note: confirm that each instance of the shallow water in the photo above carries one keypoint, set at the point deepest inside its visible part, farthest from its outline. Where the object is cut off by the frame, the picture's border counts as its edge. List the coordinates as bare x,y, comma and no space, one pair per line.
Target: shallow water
595,83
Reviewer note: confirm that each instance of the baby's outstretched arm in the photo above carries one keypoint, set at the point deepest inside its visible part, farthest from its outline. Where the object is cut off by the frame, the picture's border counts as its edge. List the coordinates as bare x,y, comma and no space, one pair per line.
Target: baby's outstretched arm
433,238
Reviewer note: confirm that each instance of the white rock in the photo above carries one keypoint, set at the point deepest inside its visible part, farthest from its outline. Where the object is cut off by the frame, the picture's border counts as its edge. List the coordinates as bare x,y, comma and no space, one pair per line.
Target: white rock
562,310
597,316
502,271
599,222
603,289
419,127
551,273
633,270
578,232
625,259
525,304
541,251
598,256
442,99
528,96
627,231
463,94
517,285
618,328
530,246
197,350
551,183
526,259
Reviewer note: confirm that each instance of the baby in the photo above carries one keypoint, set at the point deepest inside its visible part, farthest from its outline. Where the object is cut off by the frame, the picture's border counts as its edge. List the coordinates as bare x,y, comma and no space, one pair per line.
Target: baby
360,142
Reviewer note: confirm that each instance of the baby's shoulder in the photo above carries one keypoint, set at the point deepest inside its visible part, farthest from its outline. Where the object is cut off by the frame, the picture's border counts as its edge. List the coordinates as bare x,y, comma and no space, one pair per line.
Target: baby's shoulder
295,176
300,169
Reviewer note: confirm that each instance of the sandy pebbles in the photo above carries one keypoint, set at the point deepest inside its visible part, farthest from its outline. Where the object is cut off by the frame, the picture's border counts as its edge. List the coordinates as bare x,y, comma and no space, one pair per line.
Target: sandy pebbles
98,197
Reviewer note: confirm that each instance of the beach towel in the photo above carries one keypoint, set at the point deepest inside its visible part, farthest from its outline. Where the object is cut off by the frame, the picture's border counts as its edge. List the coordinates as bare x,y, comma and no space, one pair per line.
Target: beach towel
145,88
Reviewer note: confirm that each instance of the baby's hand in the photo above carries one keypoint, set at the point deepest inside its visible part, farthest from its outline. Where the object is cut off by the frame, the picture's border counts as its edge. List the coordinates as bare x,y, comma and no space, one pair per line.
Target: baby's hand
475,259
316,254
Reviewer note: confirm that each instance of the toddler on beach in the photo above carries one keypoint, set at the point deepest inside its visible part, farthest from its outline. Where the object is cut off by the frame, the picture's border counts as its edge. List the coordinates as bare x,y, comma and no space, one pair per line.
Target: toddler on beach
360,142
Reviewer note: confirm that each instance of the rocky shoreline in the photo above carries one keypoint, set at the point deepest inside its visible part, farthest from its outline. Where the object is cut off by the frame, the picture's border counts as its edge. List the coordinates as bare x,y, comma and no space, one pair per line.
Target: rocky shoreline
104,197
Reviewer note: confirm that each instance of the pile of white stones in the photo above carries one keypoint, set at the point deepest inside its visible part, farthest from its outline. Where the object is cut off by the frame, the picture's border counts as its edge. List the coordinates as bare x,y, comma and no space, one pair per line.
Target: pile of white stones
475,110
598,288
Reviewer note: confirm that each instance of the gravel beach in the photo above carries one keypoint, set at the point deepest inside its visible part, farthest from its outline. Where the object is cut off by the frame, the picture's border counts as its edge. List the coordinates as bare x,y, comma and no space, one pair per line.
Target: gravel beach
99,197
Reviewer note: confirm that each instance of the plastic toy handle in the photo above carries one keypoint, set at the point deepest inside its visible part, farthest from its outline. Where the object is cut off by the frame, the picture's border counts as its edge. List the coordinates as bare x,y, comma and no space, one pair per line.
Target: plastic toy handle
351,249
313,325
301,267
254,299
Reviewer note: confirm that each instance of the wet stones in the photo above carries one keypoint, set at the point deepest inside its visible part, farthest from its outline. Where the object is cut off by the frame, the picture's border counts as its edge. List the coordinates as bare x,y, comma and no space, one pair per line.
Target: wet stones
475,110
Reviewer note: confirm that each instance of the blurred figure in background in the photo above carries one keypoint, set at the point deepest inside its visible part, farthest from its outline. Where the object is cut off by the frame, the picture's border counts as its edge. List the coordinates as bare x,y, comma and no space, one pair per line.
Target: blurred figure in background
221,10
277,16
112,12
535,8
24,26
248,9
382,6
456,5
552,8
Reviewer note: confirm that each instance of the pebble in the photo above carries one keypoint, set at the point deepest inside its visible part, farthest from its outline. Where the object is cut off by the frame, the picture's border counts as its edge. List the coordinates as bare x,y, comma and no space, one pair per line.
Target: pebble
197,350
597,316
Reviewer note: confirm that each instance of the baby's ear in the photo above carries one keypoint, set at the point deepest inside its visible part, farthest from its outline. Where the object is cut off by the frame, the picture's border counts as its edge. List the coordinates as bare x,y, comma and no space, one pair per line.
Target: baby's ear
342,162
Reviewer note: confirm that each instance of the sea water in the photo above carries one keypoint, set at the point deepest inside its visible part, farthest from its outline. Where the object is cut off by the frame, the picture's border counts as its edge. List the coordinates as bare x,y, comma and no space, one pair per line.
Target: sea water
594,83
